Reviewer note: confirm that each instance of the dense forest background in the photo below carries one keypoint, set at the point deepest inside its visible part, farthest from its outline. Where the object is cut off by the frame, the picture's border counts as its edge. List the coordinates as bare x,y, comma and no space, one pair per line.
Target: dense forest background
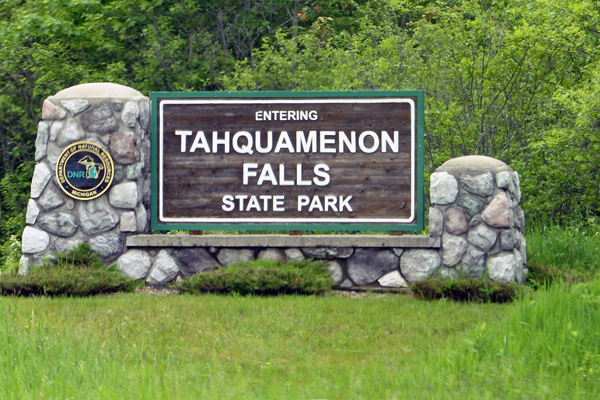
518,80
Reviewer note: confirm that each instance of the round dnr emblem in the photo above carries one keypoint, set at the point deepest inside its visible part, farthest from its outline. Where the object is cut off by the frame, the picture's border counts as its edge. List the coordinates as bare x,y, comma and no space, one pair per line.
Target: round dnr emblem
84,170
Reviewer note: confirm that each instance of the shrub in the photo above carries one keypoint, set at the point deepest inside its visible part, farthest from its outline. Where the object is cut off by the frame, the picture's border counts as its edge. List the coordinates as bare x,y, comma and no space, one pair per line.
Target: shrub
262,277
78,272
542,275
466,290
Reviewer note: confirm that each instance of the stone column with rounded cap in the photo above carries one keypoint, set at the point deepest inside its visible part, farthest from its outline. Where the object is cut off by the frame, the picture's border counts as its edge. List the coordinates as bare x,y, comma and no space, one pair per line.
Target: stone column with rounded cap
115,118
476,211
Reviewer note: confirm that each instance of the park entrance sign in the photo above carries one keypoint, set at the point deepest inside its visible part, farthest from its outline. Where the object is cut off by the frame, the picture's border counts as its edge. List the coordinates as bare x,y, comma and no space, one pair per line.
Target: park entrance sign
287,160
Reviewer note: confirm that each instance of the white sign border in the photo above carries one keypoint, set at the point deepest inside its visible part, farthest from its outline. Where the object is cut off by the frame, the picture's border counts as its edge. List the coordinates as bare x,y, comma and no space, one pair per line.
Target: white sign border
258,220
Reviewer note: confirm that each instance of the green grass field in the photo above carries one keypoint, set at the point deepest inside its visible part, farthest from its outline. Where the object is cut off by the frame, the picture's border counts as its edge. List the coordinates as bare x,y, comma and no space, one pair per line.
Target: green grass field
370,346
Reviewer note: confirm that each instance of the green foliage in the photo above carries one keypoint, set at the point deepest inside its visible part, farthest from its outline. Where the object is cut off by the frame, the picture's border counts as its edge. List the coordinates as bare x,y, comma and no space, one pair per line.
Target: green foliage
466,290
262,277
65,282
11,255
541,276
80,256
77,272
574,247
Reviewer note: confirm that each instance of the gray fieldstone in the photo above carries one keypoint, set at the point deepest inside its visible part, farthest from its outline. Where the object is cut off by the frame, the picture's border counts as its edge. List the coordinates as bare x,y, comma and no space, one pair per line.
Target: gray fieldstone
328,253
398,251
75,106
134,171
135,264
480,184
447,273
164,269
230,256
516,192
128,222
54,130
70,133
473,262
41,140
34,240
25,265
436,222
470,203
347,284
41,177
96,216
508,239
335,269
294,254
393,279
212,250
271,254
519,218
367,266
70,204
119,173
482,237
124,195
523,251
443,188
117,105
53,154
63,245
194,261
51,199
100,119
144,114
109,245
60,224
130,114
141,218
497,213
453,248
419,264
476,220
32,212
519,276
456,220
504,180
52,112
501,268
123,147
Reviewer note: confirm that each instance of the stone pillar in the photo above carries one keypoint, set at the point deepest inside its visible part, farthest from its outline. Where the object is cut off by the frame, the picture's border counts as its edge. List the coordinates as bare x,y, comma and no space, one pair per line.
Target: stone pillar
115,118
475,209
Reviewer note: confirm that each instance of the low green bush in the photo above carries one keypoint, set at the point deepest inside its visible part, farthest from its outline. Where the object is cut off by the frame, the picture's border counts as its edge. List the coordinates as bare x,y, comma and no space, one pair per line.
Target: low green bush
262,277
78,272
543,275
466,290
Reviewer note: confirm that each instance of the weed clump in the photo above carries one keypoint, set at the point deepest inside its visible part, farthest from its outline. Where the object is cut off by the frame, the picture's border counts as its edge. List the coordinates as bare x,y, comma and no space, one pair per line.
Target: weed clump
77,272
466,289
262,277
543,275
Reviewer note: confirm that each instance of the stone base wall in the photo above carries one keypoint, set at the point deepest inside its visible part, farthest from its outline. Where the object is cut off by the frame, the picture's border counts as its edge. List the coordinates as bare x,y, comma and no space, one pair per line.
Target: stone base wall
476,211
476,223
116,118
392,262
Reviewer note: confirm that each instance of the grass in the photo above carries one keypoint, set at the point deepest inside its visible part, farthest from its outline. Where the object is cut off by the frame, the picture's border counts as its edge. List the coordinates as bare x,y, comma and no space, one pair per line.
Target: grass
544,345
223,347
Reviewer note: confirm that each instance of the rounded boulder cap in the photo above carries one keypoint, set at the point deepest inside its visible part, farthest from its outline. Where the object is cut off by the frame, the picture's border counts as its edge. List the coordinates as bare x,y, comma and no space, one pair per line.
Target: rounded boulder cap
473,164
101,90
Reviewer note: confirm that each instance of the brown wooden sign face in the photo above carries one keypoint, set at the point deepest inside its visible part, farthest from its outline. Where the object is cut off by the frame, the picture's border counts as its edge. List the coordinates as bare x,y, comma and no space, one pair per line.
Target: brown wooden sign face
286,160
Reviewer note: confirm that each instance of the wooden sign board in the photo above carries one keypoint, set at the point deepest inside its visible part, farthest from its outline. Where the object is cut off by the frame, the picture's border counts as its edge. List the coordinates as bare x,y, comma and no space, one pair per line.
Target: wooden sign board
287,160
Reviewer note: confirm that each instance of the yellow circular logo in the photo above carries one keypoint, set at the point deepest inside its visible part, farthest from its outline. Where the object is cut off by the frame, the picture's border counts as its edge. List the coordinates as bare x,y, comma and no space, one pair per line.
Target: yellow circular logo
84,170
